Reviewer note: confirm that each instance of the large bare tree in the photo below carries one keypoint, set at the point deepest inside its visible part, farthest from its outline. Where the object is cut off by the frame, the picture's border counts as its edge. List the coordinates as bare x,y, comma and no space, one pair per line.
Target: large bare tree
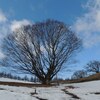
41,49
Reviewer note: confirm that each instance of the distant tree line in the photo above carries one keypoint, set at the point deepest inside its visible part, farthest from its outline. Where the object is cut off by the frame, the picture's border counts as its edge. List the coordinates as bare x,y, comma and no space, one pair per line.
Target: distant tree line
25,78
93,67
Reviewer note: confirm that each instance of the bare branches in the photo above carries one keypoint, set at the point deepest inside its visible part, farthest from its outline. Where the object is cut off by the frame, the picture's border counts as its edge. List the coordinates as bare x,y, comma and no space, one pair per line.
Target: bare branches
93,66
41,49
79,74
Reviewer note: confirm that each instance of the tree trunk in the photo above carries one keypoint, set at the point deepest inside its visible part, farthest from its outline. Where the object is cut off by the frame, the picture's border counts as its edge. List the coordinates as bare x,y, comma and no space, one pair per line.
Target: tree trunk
46,81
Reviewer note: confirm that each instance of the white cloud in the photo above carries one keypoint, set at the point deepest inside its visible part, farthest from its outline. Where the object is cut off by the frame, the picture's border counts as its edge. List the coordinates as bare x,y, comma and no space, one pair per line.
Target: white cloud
17,24
2,17
7,26
4,25
4,29
88,25
1,55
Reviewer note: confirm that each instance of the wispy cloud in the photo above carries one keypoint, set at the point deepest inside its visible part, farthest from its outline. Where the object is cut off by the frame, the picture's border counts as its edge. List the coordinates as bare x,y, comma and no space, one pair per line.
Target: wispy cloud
88,25
7,26
4,25
40,7
3,29
2,17
17,24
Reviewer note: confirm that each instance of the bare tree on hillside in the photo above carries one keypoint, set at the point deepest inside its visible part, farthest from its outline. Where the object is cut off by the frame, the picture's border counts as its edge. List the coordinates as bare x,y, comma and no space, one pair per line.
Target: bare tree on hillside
93,66
79,74
41,49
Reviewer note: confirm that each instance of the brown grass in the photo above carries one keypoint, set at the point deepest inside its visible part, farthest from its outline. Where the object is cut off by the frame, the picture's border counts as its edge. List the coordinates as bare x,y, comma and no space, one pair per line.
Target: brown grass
90,78
86,79
23,84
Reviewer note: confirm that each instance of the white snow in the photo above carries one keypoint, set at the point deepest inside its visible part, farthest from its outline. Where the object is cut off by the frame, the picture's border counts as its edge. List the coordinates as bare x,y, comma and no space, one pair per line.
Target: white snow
86,91
24,93
12,80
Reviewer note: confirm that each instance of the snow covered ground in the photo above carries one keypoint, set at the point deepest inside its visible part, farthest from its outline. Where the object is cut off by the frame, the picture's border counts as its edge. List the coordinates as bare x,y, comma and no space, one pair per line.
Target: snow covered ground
85,91
24,93
12,80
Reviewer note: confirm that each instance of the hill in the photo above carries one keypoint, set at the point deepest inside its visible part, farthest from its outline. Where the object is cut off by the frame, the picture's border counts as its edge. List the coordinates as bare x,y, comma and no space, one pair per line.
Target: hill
13,82
86,79
74,91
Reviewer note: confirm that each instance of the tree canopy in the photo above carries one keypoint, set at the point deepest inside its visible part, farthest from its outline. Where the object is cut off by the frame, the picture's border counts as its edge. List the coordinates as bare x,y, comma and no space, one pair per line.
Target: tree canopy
41,49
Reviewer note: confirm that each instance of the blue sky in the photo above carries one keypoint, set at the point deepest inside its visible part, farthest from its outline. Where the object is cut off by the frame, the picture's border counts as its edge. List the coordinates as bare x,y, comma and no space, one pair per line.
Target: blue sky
82,15
37,10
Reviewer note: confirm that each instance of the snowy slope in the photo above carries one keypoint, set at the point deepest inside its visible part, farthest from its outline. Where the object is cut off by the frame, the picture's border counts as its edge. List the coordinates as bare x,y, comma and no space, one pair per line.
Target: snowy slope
12,80
24,93
85,91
